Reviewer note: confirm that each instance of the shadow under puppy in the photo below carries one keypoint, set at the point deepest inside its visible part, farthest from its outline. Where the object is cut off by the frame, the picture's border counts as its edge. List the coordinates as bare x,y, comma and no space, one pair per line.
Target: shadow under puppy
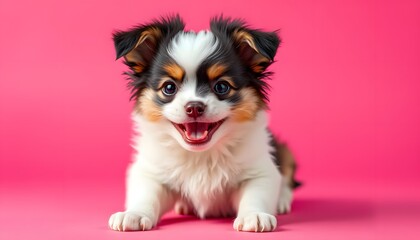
202,143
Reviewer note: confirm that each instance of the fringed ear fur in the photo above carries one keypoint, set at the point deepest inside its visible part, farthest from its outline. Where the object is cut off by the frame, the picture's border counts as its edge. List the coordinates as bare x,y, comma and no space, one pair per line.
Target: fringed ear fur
255,48
139,45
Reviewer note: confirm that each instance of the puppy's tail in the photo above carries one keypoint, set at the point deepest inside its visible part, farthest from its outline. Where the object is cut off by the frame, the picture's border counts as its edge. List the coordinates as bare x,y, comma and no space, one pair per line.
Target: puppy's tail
285,162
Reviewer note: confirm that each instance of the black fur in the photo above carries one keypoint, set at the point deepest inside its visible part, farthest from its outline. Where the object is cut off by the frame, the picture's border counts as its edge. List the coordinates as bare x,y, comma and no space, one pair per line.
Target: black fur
124,42
227,54
279,160
266,42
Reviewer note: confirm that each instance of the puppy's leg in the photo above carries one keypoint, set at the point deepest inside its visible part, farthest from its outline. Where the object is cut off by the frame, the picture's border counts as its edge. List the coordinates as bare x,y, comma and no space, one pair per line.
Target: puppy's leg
287,166
146,201
183,207
285,199
256,203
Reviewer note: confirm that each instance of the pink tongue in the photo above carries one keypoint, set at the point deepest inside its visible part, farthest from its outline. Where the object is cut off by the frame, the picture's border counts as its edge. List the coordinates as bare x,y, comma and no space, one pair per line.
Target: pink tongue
196,130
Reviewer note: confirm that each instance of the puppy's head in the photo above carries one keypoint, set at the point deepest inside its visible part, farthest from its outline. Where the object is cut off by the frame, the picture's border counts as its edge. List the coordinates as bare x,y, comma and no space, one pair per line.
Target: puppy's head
197,86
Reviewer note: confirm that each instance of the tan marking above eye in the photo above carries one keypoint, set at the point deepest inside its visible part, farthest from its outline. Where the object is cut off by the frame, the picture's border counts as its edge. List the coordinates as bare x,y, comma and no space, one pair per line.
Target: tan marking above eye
216,70
174,71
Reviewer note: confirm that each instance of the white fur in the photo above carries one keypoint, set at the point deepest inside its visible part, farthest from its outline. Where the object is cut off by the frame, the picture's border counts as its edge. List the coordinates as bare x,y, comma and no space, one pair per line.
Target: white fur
237,176
216,110
190,49
285,200
233,173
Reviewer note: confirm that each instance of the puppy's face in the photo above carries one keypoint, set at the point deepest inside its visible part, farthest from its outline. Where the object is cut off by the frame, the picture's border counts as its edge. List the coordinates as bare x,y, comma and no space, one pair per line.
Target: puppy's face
197,86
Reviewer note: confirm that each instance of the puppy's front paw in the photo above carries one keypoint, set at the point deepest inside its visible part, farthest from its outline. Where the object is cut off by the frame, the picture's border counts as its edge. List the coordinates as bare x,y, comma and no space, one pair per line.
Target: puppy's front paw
285,201
129,221
255,222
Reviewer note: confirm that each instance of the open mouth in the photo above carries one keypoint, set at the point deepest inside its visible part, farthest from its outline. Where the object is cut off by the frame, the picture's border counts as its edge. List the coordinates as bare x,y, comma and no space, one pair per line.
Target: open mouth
197,132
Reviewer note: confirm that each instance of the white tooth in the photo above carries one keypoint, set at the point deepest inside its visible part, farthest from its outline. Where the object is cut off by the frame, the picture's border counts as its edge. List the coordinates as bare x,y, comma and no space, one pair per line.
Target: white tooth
202,135
198,135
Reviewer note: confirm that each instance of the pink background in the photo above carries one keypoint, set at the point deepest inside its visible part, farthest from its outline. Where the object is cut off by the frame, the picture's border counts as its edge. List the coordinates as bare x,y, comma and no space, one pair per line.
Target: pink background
346,96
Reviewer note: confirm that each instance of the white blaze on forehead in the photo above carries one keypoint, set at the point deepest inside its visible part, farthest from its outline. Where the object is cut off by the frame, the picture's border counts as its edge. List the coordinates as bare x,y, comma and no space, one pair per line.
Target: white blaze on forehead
190,49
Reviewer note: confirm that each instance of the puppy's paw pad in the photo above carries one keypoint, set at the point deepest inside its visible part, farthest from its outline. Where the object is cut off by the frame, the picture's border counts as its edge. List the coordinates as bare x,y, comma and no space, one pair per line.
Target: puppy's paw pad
128,221
255,222
285,201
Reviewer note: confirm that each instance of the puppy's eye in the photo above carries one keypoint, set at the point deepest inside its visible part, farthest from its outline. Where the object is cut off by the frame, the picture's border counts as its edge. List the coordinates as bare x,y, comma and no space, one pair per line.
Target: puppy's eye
169,88
221,88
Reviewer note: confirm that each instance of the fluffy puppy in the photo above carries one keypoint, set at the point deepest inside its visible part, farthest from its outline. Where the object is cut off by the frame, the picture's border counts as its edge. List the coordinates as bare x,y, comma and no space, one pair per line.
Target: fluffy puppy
203,146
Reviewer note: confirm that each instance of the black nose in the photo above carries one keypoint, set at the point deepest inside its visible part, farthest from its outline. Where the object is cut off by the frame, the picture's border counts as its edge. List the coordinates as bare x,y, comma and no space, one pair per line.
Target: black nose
195,109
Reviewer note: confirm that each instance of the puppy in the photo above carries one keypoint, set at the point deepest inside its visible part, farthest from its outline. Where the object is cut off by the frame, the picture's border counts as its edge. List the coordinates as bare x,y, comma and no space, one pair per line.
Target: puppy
203,146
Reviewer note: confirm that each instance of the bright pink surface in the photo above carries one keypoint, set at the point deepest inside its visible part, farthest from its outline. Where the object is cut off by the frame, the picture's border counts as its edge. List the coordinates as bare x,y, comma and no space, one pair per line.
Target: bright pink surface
345,96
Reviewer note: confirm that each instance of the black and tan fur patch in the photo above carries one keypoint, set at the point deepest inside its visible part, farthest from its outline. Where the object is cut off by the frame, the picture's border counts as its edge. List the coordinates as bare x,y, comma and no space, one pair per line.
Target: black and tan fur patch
285,162
148,107
216,70
174,71
248,106
250,52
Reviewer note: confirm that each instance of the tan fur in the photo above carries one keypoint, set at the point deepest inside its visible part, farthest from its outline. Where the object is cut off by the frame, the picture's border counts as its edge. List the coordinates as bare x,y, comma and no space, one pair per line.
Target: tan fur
287,163
257,61
243,36
174,71
149,38
250,104
244,40
138,68
151,33
215,71
147,107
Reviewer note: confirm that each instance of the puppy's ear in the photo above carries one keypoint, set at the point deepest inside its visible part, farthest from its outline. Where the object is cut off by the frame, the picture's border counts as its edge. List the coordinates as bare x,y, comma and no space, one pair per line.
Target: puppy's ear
255,48
139,45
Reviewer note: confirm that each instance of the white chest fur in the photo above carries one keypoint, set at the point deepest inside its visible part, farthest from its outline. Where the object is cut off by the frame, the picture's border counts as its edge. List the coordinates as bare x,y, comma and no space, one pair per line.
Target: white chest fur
205,179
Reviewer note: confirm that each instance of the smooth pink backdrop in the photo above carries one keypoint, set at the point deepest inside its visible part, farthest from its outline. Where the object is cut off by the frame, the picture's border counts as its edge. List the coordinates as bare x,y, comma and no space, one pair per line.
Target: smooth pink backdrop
345,96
